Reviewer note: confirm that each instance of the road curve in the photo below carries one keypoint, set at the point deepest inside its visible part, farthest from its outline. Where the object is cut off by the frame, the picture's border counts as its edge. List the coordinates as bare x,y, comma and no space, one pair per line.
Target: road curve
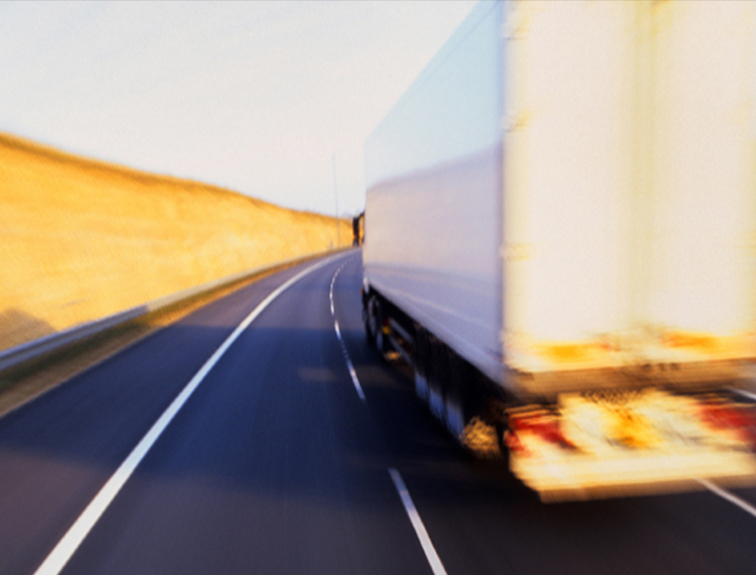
276,465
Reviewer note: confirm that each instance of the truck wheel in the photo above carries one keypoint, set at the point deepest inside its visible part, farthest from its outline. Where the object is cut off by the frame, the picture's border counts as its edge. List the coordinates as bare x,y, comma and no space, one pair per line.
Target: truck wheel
437,376
421,361
380,337
368,319
454,404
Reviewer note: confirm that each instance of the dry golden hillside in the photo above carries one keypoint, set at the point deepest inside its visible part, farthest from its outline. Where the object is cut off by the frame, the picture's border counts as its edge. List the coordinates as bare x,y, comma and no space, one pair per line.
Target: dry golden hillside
81,239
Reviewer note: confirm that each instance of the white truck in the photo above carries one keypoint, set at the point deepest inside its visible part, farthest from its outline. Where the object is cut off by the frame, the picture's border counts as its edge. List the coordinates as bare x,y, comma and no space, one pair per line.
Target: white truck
560,237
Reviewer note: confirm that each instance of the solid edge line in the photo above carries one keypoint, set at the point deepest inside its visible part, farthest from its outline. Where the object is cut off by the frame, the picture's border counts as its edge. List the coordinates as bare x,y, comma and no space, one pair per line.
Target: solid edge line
430,551
32,350
67,546
728,496
274,268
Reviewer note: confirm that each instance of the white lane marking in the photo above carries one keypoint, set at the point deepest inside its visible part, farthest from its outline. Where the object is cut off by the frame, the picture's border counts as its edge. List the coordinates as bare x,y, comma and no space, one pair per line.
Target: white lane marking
422,534
417,523
745,393
747,507
73,538
355,381
336,327
350,366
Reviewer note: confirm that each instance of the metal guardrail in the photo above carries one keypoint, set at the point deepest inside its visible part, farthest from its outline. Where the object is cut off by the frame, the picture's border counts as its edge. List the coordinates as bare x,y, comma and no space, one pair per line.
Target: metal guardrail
33,349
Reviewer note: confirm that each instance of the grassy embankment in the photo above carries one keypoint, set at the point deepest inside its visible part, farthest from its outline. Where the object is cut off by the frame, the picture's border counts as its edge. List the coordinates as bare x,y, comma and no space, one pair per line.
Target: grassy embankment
80,239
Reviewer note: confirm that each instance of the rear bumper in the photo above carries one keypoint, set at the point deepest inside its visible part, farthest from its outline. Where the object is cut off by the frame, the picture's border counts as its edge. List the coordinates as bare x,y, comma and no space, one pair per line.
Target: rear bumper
581,477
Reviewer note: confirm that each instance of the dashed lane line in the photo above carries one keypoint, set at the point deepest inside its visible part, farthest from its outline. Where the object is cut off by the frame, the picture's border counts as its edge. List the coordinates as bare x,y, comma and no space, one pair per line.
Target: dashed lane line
347,359
744,393
430,552
417,523
726,495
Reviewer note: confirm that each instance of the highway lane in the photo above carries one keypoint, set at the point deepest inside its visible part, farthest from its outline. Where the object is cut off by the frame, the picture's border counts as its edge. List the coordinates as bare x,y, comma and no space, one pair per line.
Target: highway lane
275,465
57,451
269,468
481,522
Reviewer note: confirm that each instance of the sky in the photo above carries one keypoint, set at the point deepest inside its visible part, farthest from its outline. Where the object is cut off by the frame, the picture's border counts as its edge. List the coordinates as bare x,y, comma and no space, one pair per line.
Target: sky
257,97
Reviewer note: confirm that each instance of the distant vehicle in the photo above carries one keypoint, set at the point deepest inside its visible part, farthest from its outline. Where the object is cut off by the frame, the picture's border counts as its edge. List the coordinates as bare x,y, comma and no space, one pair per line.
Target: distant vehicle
560,231
357,229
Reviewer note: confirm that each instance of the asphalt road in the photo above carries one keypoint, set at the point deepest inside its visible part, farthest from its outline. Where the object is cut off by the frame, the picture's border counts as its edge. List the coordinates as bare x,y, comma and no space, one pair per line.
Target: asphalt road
274,464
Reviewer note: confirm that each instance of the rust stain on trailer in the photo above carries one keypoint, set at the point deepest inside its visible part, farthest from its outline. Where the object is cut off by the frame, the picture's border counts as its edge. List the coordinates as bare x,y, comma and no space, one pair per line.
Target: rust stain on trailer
698,341
710,346
575,352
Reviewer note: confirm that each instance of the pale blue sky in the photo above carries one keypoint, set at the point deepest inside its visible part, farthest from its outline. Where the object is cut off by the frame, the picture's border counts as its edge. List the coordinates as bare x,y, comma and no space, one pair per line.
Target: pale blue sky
251,96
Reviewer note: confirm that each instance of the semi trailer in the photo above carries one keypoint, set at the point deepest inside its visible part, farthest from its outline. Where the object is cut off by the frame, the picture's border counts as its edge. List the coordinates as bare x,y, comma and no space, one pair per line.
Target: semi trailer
560,238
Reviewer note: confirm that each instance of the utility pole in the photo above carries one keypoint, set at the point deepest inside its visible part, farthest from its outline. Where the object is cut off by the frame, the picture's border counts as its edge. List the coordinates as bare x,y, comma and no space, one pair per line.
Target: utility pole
336,197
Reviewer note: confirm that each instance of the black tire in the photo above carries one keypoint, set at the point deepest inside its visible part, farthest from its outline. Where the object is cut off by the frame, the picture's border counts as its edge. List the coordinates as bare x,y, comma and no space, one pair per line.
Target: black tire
368,321
455,404
381,340
438,374
421,360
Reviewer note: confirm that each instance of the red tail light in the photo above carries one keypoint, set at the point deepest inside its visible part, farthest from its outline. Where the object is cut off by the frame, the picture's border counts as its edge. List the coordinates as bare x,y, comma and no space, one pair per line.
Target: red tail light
544,426
728,416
